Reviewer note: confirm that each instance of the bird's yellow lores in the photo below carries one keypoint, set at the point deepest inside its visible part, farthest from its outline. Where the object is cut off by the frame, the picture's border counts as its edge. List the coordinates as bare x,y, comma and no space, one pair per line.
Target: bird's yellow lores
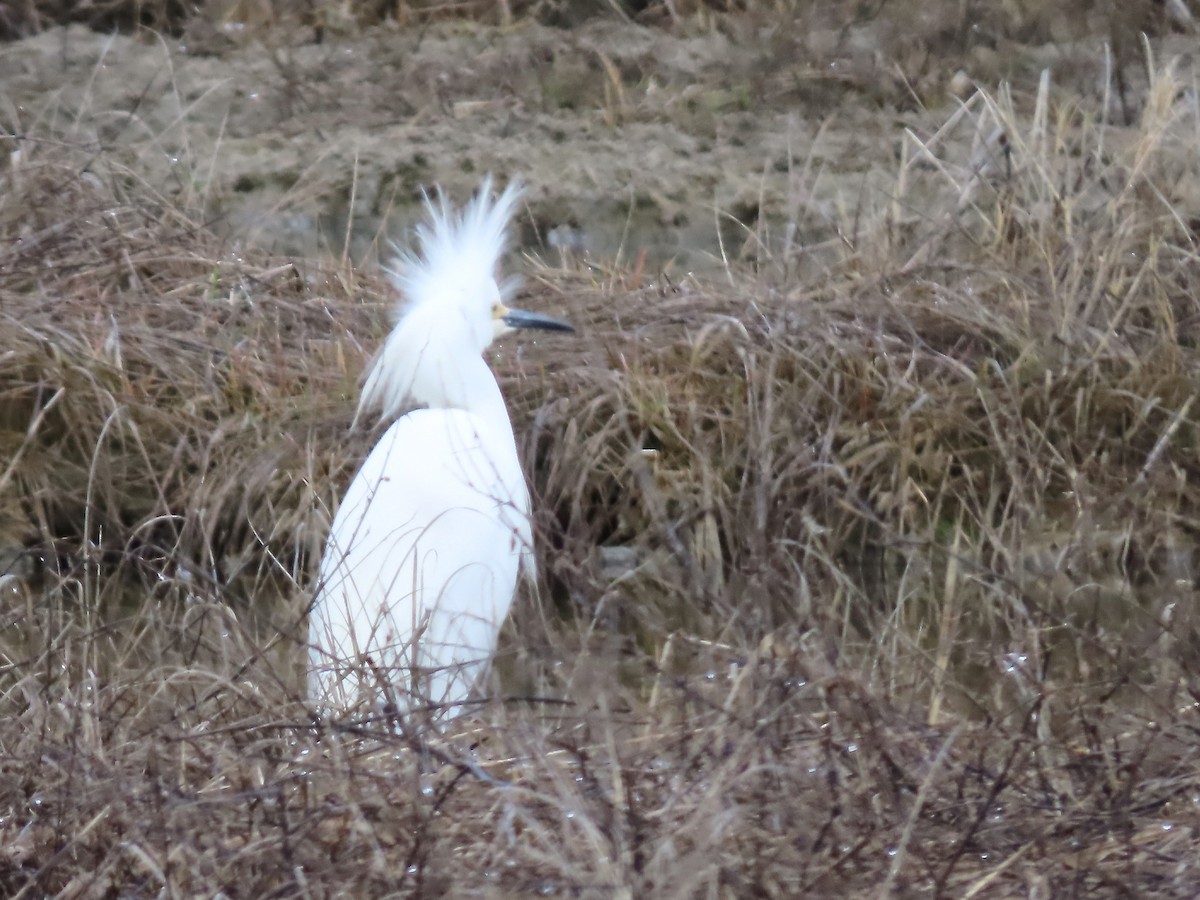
422,560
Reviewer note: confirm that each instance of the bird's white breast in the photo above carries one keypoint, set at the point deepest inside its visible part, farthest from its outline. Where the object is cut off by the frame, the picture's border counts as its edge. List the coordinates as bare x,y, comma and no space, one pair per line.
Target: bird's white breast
421,564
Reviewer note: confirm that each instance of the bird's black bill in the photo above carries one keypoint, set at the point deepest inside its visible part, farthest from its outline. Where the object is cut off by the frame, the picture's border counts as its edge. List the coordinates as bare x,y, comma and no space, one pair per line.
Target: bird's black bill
520,318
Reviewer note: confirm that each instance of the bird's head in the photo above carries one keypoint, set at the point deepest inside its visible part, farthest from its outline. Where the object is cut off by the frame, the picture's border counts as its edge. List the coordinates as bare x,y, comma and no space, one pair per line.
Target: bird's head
456,306
450,283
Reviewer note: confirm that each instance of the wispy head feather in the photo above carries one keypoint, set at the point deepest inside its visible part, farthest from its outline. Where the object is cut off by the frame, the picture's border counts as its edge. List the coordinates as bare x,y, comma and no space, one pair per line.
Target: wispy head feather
449,288
457,252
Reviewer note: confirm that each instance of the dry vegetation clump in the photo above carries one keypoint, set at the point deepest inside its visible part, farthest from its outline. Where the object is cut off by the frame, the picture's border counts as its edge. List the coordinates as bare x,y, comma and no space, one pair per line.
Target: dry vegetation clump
162,397
869,570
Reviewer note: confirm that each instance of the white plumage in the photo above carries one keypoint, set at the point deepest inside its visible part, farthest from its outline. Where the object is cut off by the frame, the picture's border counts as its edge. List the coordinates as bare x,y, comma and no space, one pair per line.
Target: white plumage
422,559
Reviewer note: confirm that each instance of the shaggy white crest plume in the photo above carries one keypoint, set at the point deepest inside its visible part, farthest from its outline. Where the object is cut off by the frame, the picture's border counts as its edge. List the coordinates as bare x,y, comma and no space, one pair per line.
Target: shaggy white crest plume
450,290
423,555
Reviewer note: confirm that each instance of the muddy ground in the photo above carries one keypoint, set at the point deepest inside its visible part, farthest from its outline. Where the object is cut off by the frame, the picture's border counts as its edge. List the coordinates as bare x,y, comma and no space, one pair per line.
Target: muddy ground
687,146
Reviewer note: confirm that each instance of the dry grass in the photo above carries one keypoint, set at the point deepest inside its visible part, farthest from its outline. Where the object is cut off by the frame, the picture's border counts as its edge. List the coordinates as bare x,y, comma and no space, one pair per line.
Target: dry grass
900,601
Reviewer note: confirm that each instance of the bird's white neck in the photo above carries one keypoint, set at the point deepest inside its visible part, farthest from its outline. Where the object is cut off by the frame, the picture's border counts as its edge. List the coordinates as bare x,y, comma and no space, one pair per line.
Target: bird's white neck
439,368
476,391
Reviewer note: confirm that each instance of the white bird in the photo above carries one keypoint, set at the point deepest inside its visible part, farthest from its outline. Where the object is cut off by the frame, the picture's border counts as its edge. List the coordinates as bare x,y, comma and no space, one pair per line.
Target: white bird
422,559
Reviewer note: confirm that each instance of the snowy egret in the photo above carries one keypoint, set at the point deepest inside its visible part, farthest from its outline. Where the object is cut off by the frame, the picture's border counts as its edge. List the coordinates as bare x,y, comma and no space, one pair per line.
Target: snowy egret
422,559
